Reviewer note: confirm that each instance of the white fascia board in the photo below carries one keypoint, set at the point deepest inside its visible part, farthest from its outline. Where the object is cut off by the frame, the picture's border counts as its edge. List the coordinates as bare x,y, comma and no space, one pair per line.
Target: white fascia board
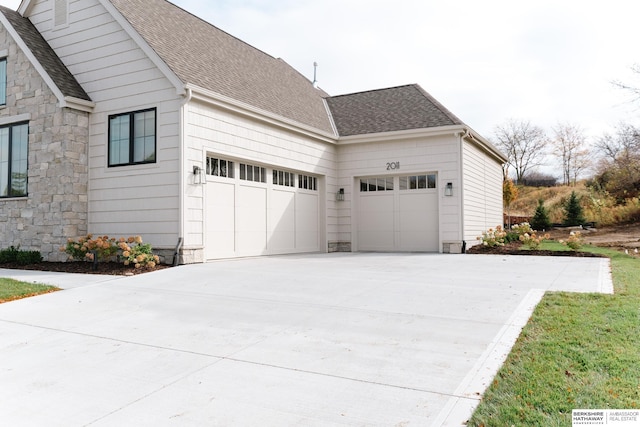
401,134
146,48
25,7
34,61
230,104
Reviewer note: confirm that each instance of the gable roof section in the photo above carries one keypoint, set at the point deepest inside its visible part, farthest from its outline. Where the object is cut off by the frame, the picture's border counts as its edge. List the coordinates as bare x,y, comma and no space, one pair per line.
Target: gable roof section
204,56
387,110
52,70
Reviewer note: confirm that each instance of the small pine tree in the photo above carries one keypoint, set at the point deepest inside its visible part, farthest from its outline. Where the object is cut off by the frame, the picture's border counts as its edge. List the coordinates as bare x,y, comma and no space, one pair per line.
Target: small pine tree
573,214
540,220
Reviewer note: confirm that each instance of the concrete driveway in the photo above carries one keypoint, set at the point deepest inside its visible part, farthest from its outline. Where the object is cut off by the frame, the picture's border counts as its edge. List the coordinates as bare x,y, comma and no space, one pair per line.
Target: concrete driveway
312,340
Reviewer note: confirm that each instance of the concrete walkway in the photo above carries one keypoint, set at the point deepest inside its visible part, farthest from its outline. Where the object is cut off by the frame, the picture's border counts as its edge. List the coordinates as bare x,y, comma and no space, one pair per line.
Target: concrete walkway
312,340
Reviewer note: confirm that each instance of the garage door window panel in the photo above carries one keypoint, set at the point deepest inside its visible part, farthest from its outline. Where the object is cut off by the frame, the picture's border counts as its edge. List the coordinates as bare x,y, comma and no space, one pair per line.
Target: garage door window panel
376,184
308,182
283,178
220,167
252,173
418,182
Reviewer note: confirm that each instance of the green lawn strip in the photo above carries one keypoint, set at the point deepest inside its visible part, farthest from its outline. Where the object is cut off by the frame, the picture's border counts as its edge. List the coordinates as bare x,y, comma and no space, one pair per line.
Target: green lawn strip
578,351
11,289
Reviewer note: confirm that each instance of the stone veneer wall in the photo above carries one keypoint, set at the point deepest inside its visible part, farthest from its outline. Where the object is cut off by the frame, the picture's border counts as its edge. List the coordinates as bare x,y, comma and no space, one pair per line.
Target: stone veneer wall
57,203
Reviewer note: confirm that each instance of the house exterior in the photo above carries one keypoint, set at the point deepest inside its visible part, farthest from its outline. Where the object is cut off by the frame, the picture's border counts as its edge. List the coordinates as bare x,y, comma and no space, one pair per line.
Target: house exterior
135,117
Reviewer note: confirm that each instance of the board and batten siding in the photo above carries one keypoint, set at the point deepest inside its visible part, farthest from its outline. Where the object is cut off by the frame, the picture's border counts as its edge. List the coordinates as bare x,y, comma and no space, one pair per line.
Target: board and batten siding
119,78
482,192
215,131
438,154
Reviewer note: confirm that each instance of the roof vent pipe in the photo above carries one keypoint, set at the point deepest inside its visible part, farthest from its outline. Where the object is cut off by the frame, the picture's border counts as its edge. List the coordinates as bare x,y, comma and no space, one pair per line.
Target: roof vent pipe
315,80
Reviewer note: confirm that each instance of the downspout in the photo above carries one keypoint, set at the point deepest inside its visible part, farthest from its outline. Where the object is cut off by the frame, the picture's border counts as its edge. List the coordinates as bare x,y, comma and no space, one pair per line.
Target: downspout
182,151
461,180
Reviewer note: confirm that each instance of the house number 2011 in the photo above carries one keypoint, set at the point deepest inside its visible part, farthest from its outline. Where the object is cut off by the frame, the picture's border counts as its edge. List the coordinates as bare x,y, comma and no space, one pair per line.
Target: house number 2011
393,166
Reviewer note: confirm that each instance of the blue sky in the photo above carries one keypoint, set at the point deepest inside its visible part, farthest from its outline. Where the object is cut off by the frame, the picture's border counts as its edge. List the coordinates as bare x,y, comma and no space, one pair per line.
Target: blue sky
544,61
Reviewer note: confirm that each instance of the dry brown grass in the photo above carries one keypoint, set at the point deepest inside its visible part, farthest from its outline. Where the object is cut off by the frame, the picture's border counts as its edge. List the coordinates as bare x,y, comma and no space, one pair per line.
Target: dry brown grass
598,208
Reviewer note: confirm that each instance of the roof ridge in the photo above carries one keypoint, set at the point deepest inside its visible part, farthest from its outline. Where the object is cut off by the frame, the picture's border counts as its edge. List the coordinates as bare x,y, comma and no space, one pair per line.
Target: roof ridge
375,90
439,105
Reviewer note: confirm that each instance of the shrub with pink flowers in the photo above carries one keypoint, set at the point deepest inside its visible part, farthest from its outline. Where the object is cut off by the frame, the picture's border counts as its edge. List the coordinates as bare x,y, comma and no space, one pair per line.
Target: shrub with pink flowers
493,237
138,254
130,250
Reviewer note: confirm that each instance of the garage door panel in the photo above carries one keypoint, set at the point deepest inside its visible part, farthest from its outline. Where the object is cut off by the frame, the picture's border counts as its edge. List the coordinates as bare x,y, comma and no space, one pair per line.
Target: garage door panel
282,217
376,222
220,217
307,221
251,220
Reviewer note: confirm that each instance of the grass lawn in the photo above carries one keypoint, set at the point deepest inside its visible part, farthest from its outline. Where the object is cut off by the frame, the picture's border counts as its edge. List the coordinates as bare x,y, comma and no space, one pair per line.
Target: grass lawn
13,289
578,351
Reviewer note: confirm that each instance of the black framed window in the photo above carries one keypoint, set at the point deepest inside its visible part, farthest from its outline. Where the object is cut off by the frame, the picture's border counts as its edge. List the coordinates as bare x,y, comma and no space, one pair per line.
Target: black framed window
132,138
14,153
3,81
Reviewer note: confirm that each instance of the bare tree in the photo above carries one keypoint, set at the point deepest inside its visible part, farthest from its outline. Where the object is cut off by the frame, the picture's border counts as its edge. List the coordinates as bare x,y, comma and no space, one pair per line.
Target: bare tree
619,169
621,146
634,90
524,145
569,144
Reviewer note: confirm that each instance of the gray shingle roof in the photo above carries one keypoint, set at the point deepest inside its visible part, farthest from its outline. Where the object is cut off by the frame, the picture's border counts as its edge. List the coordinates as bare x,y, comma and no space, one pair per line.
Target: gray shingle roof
203,55
53,66
386,110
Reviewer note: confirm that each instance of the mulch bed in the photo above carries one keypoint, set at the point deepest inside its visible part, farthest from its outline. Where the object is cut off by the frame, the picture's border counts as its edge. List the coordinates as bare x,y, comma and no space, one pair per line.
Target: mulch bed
112,268
514,248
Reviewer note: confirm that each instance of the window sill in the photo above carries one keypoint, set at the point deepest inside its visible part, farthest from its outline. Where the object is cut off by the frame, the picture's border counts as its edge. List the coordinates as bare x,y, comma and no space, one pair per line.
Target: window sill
13,199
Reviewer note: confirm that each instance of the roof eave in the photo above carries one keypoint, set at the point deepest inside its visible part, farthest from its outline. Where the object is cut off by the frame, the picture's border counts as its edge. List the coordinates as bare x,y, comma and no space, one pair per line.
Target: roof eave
78,104
63,100
25,7
247,110
483,143
401,134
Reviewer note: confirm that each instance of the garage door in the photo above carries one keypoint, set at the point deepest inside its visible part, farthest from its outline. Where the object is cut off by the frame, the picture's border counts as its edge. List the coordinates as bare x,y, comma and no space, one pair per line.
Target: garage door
398,213
253,210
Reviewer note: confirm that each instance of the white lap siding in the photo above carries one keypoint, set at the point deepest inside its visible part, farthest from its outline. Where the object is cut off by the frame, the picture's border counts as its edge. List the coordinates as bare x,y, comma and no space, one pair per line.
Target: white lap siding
482,192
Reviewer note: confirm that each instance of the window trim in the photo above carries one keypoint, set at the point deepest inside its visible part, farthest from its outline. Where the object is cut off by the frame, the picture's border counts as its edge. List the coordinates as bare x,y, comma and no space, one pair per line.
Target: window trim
131,115
10,126
3,99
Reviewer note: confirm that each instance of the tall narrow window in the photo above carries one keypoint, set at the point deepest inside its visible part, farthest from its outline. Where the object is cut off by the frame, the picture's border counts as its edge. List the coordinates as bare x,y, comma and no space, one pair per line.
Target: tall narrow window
132,138
13,160
3,81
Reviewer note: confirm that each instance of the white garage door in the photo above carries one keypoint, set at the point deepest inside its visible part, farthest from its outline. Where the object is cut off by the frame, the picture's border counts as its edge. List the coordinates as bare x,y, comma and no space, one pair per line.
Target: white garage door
398,213
253,210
